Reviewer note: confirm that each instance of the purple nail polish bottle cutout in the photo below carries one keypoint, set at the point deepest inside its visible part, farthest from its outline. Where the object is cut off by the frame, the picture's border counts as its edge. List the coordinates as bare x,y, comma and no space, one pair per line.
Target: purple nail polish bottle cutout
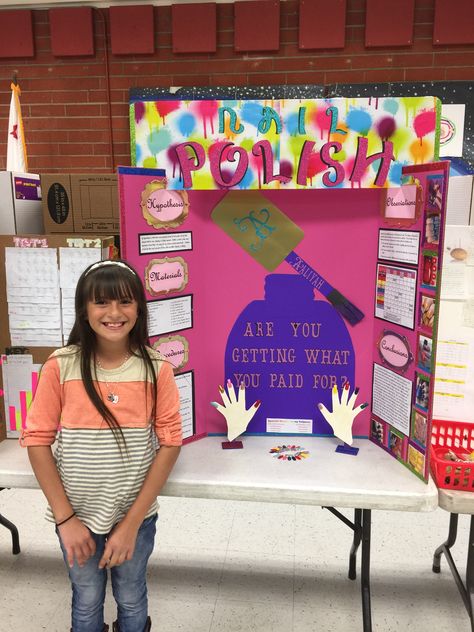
289,350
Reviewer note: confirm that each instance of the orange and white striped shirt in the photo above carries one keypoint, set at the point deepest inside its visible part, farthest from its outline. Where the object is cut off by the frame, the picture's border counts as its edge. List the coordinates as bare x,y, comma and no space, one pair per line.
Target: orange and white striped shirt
101,477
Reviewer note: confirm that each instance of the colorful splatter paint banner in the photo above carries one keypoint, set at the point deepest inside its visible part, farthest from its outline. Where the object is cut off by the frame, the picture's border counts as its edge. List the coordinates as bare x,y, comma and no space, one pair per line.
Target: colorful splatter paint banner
292,143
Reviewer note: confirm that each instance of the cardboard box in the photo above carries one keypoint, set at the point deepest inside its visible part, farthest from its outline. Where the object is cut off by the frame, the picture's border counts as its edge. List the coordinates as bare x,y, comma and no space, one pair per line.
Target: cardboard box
80,203
20,203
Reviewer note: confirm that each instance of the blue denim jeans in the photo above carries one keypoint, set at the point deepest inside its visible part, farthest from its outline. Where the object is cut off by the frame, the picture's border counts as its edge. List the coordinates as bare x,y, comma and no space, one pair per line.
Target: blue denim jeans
128,585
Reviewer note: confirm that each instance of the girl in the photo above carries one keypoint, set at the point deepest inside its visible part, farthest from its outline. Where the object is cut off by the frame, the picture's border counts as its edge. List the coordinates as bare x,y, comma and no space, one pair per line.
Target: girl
113,397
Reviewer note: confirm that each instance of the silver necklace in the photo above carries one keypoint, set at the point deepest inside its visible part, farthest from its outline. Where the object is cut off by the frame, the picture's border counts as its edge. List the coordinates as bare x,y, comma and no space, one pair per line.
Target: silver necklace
112,396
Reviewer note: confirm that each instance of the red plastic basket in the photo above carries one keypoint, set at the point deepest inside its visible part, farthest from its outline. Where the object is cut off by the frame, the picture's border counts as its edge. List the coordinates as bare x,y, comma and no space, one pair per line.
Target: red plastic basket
458,437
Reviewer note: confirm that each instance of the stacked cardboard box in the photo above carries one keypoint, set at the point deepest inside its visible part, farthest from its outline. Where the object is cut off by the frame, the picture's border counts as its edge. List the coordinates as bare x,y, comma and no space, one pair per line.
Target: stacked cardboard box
80,203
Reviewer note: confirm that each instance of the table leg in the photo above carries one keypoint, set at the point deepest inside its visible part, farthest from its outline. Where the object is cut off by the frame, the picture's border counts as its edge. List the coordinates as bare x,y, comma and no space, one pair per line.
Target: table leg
14,531
470,573
361,527
365,570
355,543
466,591
453,532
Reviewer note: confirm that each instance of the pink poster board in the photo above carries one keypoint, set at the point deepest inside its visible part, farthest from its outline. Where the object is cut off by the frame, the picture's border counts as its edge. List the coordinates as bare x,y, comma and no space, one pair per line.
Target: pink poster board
405,325
220,309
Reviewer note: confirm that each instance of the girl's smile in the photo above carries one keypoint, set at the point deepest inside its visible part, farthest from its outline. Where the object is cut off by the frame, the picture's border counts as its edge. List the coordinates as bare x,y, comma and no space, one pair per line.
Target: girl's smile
112,320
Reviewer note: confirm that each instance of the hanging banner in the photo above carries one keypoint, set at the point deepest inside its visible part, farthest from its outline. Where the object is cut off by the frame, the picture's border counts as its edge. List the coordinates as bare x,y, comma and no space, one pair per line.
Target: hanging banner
291,143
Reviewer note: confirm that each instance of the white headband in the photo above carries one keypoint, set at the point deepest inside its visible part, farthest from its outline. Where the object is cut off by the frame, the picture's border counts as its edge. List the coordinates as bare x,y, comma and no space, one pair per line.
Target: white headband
109,262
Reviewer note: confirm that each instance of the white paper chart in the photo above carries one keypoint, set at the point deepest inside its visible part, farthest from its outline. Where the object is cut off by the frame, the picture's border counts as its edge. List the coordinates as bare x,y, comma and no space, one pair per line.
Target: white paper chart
396,295
32,282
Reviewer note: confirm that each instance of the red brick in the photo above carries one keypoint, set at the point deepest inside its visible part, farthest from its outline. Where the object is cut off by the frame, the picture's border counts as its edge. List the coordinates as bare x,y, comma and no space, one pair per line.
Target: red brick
88,136
425,74
76,149
43,149
121,135
100,149
99,96
289,20
389,74
88,162
267,79
120,148
355,18
118,109
46,110
289,35
138,68
355,34
83,109
406,60
380,60
313,62
304,77
454,58
423,45
232,80
356,47
341,76
252,64
424,14
424,30
460,74
192,80
176,66
44,135
123,160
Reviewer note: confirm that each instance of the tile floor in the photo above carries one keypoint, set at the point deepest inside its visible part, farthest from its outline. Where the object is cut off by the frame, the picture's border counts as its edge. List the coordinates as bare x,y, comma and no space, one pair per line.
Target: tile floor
224,566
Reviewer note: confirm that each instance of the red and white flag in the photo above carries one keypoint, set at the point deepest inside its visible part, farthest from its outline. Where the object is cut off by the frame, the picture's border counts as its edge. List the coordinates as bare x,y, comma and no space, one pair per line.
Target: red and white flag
16,147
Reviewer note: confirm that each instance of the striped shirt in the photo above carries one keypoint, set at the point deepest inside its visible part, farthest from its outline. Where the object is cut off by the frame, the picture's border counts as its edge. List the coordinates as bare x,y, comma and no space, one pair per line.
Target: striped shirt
101,476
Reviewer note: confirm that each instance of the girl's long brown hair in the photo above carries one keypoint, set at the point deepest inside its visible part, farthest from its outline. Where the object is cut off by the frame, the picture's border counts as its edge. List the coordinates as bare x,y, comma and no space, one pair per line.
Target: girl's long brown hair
110,281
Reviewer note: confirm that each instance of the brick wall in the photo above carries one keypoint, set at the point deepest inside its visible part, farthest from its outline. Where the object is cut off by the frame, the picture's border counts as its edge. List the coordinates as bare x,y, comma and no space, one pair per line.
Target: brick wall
65,105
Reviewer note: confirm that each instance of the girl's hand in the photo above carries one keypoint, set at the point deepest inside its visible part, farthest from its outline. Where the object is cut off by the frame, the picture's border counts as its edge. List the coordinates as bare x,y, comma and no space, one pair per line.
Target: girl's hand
77,541
120,545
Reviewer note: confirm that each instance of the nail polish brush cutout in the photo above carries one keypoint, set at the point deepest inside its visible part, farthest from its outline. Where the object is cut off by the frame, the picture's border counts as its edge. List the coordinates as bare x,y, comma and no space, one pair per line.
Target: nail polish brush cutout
269,236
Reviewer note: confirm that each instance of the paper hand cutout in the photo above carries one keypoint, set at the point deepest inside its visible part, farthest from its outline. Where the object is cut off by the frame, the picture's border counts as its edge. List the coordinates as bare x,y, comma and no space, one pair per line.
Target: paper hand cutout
343,412
236,416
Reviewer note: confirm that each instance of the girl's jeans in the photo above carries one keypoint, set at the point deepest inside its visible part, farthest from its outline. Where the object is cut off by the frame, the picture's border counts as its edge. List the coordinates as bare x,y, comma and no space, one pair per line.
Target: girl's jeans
128,585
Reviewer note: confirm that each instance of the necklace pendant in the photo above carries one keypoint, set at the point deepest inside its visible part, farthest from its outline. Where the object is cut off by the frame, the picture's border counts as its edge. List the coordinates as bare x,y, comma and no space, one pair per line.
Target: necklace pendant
112,398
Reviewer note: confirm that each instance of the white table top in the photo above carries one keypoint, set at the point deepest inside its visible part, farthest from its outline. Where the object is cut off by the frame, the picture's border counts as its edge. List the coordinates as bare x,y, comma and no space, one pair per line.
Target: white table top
370,480
456,502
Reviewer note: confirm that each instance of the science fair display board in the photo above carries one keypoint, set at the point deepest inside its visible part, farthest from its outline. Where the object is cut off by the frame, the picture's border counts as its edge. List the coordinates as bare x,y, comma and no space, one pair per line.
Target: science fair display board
280,254
291,293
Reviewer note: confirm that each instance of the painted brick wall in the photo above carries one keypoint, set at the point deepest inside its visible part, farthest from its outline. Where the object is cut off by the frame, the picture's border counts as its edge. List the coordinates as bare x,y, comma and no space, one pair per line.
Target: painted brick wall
64,100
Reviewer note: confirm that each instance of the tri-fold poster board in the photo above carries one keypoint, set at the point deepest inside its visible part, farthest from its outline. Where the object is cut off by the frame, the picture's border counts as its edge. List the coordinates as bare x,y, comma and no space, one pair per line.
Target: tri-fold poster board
292,289
292,247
